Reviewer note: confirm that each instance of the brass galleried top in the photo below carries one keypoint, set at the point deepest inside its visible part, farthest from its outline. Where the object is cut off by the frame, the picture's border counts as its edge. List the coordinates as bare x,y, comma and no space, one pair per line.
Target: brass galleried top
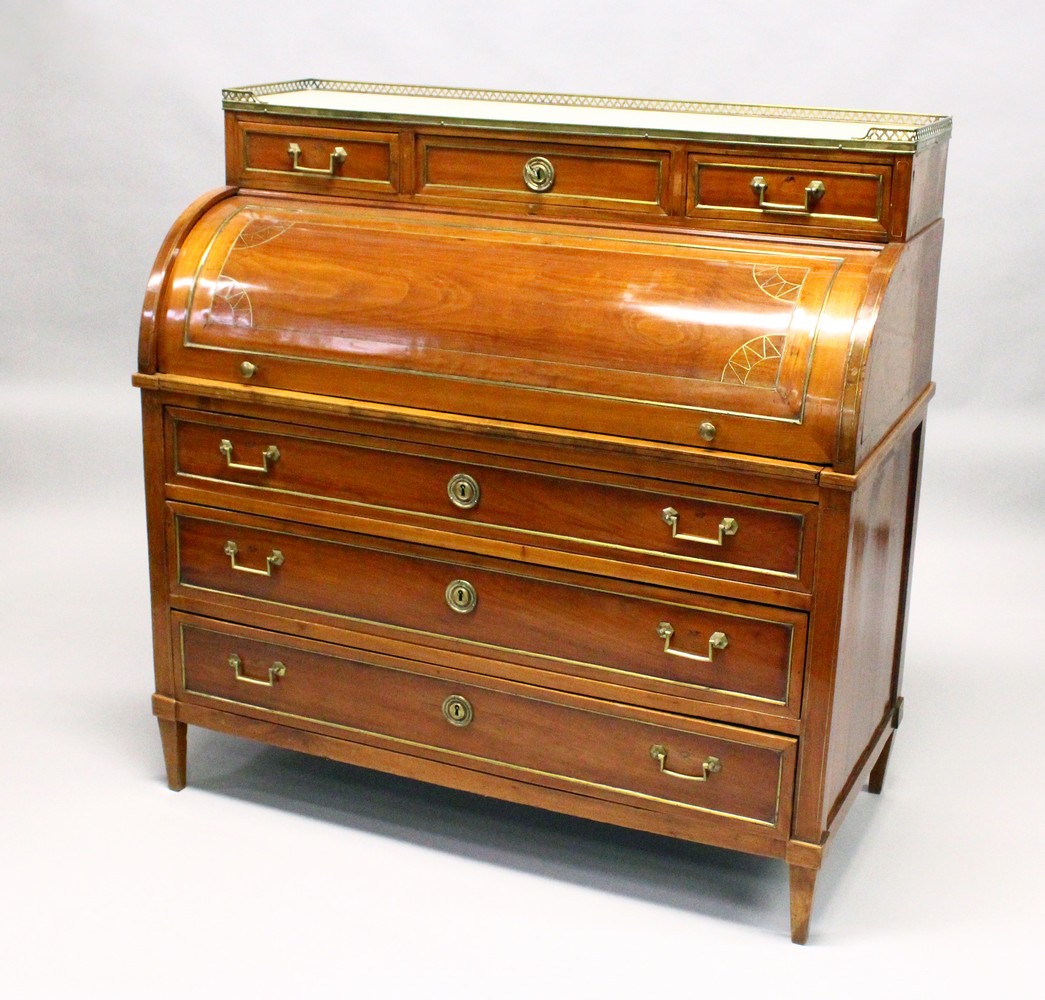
501,109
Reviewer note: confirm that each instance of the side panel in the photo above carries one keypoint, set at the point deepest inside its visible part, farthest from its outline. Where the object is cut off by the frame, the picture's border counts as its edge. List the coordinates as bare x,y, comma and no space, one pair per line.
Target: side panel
891,366
870,641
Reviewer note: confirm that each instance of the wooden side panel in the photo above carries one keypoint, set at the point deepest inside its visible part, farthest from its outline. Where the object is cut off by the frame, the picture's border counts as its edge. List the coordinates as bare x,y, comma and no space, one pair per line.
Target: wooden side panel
153,443
895,360
927,182
866,673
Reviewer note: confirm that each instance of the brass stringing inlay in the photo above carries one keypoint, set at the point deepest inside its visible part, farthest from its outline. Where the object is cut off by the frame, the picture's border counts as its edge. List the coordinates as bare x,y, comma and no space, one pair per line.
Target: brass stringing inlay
230,295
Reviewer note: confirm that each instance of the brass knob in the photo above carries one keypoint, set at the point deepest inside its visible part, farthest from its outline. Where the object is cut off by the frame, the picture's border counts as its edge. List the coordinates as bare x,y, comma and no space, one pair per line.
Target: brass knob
708,431
247,369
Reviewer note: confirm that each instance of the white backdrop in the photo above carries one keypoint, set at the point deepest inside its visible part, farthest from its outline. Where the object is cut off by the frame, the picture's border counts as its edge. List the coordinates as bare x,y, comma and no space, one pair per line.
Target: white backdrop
277,873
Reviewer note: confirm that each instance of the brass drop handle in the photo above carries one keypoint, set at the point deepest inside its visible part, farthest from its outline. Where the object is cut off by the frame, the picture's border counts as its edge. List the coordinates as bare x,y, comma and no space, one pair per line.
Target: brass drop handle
274,558
727,527
711,765
815,190
336,158
717,640
276,671
270,454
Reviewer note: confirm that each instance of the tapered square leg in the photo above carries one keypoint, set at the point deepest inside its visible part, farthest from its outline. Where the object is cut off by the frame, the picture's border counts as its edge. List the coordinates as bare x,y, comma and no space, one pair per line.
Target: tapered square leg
174,738
803,882
874,782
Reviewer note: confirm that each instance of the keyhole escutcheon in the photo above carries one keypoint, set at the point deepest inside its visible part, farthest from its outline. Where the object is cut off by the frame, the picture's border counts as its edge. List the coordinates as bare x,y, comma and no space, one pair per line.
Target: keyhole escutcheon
463,491
461,596
457,710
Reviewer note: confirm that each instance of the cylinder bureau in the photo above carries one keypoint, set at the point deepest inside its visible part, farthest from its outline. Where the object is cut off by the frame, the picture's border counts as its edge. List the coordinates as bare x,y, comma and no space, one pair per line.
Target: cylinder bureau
558,449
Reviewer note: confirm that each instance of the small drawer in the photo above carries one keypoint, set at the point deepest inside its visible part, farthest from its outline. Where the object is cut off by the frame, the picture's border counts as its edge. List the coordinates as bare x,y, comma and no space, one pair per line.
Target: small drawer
671,643
662,762
781,195
536,176
326,160
684,529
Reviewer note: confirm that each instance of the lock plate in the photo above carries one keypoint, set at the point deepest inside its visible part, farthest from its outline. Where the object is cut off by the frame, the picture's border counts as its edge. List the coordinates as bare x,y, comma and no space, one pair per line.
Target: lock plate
461,596
457,710
538,173
463,491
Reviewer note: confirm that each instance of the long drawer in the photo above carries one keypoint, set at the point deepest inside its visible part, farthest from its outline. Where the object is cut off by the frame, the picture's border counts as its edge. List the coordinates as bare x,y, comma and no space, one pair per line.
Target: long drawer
685,645
671,763
706,532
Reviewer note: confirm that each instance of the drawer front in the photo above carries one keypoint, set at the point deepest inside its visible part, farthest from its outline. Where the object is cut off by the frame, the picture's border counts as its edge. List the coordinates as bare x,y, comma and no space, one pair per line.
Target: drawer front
700,531
534,176
790,195
509,729
668,642
325,160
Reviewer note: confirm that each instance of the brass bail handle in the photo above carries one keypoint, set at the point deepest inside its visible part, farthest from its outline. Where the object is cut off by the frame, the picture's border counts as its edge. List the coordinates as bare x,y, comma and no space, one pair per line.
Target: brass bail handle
717,640
710,765
815,190
270,454
276,671
336,158
274,558
727,527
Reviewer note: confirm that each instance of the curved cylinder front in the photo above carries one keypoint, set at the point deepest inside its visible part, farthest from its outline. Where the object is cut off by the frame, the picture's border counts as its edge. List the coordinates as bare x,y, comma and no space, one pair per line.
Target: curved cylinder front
731,344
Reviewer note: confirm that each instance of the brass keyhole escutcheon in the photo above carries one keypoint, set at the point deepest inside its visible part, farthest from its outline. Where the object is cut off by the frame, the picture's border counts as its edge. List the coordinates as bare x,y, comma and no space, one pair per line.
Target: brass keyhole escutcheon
463,491
457,710
461,596
538,173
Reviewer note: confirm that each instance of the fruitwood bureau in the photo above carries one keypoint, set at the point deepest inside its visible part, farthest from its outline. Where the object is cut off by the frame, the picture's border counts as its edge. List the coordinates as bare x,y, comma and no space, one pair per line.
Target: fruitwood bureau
564,450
